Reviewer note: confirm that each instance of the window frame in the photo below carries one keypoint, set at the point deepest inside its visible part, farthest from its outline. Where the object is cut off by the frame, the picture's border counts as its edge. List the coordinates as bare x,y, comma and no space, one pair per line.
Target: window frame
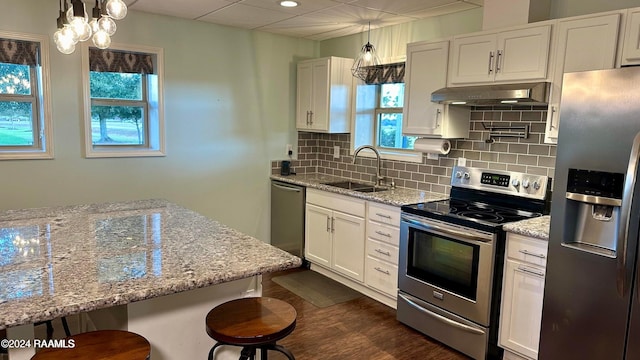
367,104
153,108
40,99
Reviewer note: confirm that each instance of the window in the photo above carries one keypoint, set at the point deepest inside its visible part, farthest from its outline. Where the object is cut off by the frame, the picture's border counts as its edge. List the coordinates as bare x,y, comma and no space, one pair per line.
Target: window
123,102
378,115
25,115
389,118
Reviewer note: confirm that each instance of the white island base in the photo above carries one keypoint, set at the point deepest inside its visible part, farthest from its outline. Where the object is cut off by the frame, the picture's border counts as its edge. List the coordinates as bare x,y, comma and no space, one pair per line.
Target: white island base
173,324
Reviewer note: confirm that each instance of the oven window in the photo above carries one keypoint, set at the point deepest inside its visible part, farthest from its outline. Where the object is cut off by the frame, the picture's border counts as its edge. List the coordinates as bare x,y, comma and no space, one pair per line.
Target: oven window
444,262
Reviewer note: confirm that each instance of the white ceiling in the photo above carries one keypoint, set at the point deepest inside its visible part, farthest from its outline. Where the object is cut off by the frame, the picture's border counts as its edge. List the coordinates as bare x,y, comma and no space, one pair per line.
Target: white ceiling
312,19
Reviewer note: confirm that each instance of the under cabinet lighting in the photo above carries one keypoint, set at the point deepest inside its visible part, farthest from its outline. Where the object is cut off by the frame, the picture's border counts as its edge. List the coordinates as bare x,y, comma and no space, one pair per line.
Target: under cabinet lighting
458,102
509,101
288,3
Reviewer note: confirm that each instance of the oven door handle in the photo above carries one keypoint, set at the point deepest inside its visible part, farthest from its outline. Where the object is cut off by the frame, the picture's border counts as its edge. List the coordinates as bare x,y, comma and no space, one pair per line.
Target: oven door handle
442,318
446,231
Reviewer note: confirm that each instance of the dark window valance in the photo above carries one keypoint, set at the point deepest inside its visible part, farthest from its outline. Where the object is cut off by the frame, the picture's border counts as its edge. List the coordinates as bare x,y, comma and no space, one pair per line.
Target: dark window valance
385,74
19,52
120,61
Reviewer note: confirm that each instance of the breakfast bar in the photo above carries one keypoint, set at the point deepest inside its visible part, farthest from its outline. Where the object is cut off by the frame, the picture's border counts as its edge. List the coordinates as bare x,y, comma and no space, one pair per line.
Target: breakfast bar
149,266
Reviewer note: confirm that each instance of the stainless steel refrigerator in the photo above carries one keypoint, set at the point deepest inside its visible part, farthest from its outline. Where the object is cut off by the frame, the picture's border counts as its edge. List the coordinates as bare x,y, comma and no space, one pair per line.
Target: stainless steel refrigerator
591,305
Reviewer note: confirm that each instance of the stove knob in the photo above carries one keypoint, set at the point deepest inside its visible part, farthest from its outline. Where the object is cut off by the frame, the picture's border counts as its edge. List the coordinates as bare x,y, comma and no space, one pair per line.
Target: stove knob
515,182
536,185
525,183
458,175
466,176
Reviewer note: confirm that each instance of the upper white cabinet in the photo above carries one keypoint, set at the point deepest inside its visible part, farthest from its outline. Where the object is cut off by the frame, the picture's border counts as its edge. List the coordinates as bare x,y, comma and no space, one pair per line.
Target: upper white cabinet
426,71
505,56
324,92
585,43
631,41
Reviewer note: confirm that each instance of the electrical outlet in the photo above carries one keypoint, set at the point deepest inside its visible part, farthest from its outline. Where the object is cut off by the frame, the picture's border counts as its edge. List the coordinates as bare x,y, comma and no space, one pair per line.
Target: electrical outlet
289,149
336,152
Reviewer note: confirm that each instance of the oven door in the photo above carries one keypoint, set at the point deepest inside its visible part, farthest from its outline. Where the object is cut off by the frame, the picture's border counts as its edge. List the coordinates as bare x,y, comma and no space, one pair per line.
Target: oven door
447,265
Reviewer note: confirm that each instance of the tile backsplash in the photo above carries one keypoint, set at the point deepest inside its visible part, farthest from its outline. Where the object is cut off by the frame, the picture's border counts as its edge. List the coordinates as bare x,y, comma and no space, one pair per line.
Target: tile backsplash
530,155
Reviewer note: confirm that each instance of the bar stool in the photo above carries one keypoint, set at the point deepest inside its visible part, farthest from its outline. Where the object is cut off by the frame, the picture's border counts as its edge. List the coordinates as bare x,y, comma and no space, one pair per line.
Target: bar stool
100,345
253,323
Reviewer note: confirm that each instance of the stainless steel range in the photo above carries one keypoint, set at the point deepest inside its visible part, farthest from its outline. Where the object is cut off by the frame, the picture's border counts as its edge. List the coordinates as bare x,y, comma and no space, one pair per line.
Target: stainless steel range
452,254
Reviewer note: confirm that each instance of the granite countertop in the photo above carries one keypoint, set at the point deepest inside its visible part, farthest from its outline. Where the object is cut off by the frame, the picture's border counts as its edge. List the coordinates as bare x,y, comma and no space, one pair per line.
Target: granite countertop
536,227
65,260
395,197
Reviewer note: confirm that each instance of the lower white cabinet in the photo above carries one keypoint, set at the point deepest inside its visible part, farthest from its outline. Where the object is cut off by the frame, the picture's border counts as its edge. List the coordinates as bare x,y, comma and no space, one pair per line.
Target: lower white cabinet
334,232
522,294
354,242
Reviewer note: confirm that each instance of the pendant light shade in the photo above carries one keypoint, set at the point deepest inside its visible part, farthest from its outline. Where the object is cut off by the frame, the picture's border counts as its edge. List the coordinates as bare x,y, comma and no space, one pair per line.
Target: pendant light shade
366,59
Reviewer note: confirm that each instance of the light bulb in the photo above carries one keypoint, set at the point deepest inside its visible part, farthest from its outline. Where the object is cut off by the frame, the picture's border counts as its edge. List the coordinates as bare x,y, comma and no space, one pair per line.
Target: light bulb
117,9
69,32
81,28
101,39
107,25
367,56
94,25
66,47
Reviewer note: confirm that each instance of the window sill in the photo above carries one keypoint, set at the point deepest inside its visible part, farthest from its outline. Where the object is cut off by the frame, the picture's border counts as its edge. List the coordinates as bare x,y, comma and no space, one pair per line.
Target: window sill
123,154
26,155
408,156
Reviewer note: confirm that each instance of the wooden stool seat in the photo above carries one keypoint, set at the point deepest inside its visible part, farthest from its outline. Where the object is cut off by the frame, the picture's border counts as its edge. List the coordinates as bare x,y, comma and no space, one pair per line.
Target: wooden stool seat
100,345
251,323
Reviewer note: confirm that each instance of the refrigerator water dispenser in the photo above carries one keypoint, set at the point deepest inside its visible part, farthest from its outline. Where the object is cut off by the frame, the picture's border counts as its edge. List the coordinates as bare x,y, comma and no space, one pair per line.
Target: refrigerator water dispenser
593,211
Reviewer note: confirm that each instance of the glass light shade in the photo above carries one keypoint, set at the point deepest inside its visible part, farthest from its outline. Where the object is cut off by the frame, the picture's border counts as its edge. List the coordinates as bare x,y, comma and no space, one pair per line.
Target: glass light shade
65,45
94,25
107,25
81,28
69,32
101,39
117,9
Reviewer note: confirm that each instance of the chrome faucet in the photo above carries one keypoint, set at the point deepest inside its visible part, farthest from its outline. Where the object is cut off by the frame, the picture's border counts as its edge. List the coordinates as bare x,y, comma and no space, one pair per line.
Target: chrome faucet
379,177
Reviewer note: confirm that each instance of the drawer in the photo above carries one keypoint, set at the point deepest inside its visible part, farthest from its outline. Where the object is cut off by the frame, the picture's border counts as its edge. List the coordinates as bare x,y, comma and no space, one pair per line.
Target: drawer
382,251
526,249
345,204
385,214
386,233
381,276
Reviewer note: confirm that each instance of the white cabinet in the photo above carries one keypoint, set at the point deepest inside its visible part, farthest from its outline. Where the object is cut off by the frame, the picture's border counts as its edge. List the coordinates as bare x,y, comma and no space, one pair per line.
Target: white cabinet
426,71
324,92
522,294
335,232
631,41
383,238
584,43
506,56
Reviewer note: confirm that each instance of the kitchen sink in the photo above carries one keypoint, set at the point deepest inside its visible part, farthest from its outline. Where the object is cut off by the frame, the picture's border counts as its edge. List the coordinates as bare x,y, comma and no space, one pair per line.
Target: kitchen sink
356,186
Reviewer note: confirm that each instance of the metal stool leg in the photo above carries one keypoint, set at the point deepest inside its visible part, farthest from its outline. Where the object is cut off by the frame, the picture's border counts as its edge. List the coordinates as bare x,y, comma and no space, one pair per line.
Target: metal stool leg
248,353
284,350
65,326
213,349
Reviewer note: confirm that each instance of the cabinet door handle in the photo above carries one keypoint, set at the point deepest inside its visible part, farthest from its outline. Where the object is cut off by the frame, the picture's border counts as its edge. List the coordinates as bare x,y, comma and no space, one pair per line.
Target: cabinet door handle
383,215
311,117
498,61
553,112
383,233
437,119
380,251
333,224
386,272
529,271
526,252
490,62
328,224
308,114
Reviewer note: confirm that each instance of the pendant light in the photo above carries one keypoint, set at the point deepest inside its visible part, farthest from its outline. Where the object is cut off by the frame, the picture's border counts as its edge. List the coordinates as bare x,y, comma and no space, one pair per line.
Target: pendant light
365,60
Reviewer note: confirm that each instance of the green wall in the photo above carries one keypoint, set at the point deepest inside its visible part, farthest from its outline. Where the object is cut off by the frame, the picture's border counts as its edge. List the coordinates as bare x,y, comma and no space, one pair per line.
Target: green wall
229,110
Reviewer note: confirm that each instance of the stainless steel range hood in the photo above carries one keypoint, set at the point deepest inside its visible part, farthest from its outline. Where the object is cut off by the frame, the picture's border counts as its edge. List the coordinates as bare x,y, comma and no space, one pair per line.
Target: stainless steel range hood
505,94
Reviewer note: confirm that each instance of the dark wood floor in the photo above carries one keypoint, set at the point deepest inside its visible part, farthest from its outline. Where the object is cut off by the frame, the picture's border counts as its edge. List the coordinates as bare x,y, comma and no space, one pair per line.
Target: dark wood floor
360,329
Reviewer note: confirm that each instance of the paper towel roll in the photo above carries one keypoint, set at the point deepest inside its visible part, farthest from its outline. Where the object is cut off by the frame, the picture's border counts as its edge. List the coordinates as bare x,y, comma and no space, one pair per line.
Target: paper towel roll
432,146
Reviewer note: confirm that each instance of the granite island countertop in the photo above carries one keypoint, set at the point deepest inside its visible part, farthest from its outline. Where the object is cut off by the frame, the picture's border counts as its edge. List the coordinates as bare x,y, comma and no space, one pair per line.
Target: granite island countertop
65,260
537,227
394,197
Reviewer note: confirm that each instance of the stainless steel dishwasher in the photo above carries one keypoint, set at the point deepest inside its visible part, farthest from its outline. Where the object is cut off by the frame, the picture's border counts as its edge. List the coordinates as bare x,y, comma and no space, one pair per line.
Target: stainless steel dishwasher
287,217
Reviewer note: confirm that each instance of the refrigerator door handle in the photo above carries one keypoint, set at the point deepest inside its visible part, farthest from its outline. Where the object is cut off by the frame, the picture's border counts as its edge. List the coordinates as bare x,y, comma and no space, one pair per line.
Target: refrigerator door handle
625,216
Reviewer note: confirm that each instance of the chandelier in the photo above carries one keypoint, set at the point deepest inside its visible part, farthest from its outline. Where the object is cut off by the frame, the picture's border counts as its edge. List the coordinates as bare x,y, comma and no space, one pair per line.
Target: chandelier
366,60
74,24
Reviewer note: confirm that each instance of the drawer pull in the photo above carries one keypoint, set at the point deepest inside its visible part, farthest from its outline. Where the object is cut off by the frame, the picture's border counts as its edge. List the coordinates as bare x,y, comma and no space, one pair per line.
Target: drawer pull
386,272
383,234
384,215
380,251
526,252
529,271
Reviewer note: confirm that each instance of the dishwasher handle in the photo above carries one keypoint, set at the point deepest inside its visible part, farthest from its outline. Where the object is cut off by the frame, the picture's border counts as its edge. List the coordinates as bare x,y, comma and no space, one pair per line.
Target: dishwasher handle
287,188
